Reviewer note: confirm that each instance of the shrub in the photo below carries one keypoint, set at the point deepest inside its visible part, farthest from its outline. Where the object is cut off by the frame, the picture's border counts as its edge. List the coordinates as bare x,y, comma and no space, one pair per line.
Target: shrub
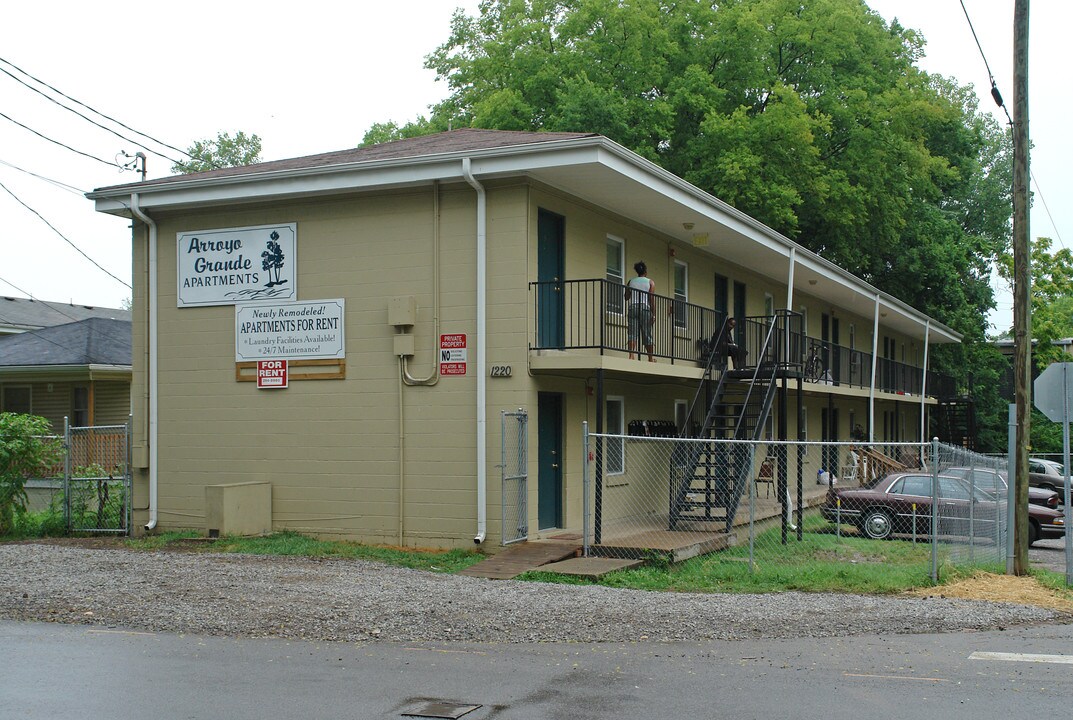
23,452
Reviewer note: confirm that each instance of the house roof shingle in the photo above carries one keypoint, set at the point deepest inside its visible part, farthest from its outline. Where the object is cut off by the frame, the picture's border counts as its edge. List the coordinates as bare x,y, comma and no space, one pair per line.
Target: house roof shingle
20,314
462,140
94,341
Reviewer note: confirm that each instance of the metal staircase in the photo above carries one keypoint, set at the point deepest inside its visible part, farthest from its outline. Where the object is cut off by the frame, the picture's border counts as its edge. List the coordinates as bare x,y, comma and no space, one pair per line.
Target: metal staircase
708,480
955,421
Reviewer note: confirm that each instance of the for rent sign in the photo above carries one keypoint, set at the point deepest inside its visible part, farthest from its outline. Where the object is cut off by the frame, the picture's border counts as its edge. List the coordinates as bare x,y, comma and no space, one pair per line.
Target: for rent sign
290,331
233,265
271,374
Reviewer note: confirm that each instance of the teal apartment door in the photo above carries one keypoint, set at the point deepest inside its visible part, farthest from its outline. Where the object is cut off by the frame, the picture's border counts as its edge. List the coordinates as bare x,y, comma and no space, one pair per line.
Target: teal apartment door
550,311
550,460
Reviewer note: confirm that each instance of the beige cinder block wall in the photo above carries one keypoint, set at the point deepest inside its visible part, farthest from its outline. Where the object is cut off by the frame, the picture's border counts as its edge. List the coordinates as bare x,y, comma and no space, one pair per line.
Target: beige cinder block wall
331,448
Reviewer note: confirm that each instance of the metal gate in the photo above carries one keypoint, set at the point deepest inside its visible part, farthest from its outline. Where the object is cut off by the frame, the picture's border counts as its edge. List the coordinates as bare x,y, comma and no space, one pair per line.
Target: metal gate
515,466
97,480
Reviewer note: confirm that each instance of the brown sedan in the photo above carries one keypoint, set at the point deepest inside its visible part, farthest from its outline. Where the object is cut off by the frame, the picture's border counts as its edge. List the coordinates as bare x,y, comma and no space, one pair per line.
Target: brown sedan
894,503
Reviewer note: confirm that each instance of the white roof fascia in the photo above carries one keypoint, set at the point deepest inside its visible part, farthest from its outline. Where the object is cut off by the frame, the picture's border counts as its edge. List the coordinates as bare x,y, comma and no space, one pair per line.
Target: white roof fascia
497,161
759,232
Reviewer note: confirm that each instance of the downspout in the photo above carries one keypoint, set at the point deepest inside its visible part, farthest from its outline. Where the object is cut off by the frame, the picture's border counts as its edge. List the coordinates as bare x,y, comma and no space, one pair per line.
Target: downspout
924,381
790,309
872,385
482,312
153,402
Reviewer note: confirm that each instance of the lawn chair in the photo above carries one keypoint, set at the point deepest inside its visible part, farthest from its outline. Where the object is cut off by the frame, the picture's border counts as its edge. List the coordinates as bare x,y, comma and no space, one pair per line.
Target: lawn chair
766,475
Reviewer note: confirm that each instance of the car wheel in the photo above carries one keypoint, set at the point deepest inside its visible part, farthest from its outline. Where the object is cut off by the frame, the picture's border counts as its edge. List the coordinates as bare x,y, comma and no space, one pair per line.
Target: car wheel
1033,532
877,524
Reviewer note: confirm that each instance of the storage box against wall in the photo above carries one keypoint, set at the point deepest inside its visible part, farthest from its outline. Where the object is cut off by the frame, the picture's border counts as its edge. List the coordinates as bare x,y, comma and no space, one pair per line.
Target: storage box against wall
238,509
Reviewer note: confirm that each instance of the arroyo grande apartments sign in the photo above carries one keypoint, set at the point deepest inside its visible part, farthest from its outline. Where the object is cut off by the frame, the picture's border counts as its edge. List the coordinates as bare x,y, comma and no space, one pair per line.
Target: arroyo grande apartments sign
236,265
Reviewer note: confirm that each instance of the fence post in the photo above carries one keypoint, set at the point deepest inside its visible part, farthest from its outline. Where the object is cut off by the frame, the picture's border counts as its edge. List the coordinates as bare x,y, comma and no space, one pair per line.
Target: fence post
67,472
935,510
585,484
1011,491
752,508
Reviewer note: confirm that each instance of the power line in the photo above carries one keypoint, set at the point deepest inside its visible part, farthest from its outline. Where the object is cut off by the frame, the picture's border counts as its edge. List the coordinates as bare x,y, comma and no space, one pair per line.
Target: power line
1044,201
62,185
998,100
83,254
57,142
995,94
87,119
94,111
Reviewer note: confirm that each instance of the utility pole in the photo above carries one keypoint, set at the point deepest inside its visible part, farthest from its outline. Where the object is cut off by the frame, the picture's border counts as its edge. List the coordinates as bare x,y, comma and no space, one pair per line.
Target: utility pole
1022,291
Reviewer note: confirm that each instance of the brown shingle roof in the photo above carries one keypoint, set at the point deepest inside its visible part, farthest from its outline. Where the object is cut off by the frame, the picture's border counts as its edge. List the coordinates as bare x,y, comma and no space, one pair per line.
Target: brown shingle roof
462,140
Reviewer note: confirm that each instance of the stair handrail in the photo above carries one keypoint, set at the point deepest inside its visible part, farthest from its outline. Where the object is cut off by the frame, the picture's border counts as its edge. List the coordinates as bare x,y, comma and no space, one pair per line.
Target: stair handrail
715,361
756,373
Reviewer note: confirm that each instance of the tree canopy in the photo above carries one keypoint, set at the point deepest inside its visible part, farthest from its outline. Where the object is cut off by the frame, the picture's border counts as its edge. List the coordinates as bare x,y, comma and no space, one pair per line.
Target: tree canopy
812,117
224,151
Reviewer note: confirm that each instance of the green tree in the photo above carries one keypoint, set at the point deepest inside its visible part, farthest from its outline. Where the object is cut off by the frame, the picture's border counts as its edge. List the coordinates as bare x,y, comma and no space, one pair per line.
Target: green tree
224,151
812,117
24,450
1052,298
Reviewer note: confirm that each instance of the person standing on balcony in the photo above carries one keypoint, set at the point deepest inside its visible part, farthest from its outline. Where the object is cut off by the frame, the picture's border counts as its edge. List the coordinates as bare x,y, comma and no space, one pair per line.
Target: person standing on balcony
639,310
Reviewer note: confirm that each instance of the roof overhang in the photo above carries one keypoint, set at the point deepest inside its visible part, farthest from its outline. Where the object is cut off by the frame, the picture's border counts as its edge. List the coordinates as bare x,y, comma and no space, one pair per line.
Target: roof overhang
593,169
64,373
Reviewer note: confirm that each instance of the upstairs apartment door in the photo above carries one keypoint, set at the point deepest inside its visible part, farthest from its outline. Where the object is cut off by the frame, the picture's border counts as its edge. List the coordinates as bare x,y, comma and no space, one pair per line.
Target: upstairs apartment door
550,310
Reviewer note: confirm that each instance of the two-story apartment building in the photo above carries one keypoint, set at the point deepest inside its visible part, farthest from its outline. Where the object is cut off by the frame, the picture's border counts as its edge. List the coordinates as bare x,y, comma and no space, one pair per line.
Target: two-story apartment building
421,288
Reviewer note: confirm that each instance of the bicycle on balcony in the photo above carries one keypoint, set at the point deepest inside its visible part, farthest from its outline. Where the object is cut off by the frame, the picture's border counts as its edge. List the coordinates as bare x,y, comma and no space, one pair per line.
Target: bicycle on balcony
813,370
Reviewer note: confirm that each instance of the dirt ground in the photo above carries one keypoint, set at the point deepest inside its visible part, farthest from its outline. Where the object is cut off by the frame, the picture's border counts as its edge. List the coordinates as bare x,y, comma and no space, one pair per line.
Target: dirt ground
1049,554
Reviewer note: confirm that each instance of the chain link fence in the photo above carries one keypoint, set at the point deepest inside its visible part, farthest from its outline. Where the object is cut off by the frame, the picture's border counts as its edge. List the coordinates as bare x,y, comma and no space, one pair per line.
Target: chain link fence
792,502
514,464
88,487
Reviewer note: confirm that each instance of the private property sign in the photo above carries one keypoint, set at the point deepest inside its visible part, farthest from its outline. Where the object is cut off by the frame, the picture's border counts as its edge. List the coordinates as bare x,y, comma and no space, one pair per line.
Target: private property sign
310,330
271,374
453,354
233,265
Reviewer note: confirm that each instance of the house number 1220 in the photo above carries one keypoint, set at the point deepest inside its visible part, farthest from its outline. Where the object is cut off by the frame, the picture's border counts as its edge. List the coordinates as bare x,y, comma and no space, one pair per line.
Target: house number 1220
501,371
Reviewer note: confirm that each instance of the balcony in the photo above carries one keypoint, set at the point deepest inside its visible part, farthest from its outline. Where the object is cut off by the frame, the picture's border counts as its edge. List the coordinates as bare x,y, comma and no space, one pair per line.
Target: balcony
591,315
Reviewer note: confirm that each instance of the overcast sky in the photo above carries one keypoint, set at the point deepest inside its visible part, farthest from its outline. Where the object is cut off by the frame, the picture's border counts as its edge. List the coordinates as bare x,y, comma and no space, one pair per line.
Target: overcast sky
315,80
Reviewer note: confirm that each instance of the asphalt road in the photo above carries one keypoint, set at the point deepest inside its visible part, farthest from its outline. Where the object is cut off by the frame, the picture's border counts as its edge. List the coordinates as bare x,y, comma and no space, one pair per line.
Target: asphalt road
55,671
1049,554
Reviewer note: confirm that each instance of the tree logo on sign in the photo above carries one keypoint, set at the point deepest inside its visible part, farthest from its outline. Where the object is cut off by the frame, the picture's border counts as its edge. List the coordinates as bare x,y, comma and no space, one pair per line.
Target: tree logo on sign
272,260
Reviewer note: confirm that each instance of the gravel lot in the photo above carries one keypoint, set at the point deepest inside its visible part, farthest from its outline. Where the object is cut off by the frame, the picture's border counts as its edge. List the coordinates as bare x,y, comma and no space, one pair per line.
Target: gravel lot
355,600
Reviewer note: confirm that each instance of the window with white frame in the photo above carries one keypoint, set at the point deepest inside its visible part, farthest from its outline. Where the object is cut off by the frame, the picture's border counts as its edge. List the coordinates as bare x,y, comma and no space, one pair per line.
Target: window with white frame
80,406
16,399
681,415
769,305
615,455
616,273
681,294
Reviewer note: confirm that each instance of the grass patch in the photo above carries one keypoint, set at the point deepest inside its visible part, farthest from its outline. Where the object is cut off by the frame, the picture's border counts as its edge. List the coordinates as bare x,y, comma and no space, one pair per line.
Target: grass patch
820,562
291,543
45,523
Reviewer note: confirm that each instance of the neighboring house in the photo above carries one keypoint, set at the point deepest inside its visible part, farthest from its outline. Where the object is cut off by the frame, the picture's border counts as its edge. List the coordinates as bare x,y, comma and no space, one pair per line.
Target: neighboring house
19,315
474,272
80,371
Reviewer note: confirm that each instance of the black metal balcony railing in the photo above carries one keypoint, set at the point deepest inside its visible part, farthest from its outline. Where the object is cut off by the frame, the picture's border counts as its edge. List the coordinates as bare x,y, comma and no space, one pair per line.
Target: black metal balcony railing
593,314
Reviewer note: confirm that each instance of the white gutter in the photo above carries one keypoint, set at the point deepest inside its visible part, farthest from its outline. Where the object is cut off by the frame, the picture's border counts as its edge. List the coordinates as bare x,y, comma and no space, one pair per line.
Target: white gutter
790,305
924,381
153,402
482,389
872,388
